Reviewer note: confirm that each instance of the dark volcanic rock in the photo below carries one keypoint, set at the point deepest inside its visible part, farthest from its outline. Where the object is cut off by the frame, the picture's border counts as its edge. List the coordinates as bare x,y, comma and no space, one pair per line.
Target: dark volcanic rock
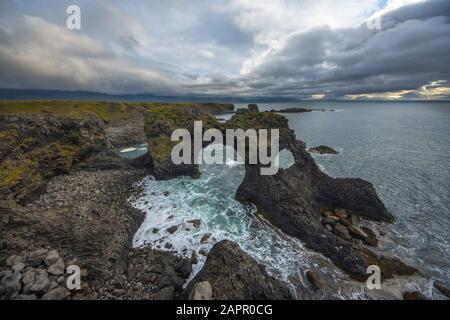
86,215
159,126
37,147
297,110
442,288
293,198
253,107
234,275
323,150
299,215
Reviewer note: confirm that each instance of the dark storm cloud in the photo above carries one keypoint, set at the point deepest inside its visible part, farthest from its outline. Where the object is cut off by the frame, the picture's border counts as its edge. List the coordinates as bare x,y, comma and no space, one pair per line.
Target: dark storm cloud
227,48
411,49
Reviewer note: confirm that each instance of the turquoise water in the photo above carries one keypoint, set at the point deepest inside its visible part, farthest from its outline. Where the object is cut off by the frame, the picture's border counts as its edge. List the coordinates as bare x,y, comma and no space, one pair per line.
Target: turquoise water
402,148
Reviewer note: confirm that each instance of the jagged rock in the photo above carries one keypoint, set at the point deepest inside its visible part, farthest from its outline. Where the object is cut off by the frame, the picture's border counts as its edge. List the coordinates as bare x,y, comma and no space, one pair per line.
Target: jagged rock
165,294
414,295
36,257
195,222
314,280
322,150
41,284
52,257
234,275
194,259
14,259
201,291
205,238
371,238
57,268
442,288
326,213
28,277
10,283
170,278
342,232
58,293
172,229
18,267
356,232
341,213
185,268
331,220
203,252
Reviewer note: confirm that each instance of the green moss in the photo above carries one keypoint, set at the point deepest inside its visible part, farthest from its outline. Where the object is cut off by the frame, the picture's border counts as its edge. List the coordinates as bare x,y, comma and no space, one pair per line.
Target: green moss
160,148
107,111
13,171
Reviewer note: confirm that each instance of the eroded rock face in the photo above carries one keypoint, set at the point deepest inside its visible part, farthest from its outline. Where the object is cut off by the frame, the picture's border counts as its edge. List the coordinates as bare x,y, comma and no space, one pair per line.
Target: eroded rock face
37,147
159,126
233,275
293,198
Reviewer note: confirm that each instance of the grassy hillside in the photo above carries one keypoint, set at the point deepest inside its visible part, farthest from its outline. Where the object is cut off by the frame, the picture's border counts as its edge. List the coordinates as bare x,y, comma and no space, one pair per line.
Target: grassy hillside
107,111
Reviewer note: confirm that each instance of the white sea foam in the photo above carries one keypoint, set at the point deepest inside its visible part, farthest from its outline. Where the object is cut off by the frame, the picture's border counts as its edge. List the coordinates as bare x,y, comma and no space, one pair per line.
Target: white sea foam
128,150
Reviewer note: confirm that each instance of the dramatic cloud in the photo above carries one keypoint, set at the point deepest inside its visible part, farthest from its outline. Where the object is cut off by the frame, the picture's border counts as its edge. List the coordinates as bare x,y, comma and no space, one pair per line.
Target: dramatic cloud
299,49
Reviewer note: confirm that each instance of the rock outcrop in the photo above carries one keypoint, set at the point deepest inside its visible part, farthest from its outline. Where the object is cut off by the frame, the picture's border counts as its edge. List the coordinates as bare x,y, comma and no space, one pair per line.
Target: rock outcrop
253,107
159,126
294,198
233,275
322,150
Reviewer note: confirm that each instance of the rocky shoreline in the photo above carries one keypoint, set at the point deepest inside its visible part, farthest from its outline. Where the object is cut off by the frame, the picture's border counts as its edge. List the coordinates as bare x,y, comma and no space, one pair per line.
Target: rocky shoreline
64,200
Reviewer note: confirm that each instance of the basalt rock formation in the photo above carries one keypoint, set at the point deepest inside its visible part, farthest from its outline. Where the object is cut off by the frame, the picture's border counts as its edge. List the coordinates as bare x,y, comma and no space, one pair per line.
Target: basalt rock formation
159,126
37,147
233,275
295,199
322,150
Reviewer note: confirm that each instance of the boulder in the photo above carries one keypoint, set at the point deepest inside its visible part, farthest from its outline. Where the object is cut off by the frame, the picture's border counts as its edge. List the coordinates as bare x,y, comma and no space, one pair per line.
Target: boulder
172,229
371,238
52,257
201,291
36,257
58,293
164,294
195,222
342,232
10,284
18,267
314,280
205,238
331,220
341,213
57,268
356,232
41,284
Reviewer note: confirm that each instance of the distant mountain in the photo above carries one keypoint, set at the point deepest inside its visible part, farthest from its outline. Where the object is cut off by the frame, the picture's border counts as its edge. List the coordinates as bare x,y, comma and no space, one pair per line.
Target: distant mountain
33,94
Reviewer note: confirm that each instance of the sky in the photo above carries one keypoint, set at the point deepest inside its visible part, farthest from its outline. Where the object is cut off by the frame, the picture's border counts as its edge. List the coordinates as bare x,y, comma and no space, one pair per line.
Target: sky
292,49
